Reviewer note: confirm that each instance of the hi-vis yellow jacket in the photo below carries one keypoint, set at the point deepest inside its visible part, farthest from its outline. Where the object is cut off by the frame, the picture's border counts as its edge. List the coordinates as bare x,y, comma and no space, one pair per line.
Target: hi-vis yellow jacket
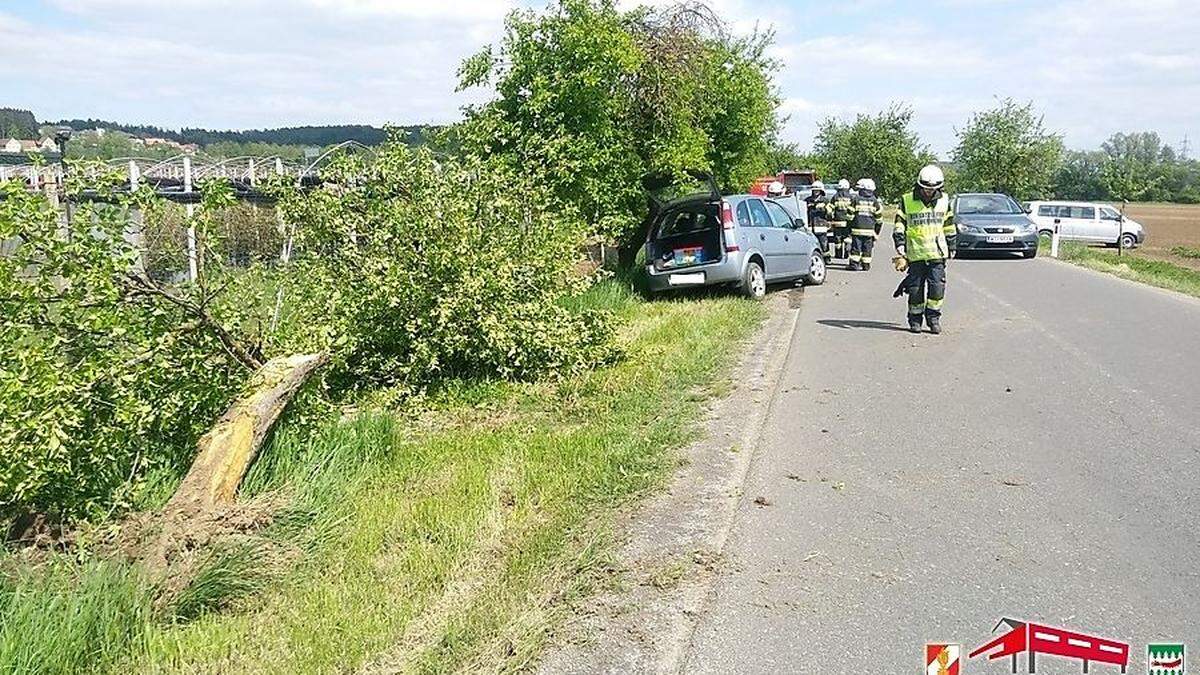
924,231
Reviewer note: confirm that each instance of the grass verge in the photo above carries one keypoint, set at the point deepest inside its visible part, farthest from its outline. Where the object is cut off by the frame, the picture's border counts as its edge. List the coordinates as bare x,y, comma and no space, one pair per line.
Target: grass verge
1132,266
445,537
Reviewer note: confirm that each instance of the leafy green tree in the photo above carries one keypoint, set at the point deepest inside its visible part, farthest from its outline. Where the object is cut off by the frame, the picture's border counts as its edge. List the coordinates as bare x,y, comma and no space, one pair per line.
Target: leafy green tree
16,123
782,156
1007,149
1080,176
882,147
588,99
1136,167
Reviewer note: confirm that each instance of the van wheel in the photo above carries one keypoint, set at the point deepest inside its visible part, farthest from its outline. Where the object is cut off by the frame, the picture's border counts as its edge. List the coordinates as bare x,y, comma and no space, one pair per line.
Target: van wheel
754,281
816,270
1128,241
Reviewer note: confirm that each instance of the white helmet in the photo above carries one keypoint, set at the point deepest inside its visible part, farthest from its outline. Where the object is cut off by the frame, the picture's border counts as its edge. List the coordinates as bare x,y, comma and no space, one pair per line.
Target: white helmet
775,189
866,184
931,178
817,185
843,184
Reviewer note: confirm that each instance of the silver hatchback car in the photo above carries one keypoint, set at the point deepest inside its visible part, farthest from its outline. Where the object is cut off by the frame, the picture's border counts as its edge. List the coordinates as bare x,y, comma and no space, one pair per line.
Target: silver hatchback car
698,237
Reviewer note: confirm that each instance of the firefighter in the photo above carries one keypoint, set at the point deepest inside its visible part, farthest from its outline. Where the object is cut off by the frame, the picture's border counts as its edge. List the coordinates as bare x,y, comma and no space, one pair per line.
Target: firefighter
842,213
924,238
819,213
866,225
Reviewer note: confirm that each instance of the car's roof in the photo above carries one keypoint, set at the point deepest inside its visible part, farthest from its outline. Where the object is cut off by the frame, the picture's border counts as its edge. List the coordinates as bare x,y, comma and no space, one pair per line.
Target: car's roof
981,194
1067,202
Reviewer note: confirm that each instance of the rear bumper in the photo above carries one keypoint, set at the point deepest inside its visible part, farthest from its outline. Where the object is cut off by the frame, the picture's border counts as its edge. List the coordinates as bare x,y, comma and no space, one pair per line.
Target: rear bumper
974,241
726,271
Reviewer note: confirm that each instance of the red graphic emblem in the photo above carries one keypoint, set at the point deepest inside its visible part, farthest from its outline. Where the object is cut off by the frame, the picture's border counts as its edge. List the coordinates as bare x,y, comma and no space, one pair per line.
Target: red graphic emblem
943,659
1038,639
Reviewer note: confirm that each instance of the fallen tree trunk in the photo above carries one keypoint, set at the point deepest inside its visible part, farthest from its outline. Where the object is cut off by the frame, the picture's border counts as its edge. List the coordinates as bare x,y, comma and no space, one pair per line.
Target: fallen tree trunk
229,448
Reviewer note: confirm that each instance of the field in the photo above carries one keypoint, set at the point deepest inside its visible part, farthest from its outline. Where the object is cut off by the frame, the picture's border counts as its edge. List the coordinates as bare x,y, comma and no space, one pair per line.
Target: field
1172,231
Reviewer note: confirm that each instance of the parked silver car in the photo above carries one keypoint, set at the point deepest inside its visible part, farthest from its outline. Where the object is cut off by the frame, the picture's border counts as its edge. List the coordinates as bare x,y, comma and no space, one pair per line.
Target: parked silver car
993,223
698,237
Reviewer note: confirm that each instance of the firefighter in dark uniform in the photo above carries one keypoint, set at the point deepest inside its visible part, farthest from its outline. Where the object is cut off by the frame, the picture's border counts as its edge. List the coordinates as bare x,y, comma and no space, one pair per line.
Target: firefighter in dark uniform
819,213
865,226
843,211
924,238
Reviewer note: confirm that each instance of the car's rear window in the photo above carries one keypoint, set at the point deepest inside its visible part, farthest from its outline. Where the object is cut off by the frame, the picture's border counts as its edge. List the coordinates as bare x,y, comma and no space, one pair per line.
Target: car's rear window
686,222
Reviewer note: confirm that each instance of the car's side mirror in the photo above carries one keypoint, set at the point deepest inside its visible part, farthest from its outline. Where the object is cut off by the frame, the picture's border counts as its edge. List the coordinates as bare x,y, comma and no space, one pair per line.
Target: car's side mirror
1028,210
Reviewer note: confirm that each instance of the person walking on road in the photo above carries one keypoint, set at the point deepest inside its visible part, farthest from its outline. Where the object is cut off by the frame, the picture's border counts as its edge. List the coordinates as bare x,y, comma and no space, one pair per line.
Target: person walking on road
925,238
843,211
819,213
865,226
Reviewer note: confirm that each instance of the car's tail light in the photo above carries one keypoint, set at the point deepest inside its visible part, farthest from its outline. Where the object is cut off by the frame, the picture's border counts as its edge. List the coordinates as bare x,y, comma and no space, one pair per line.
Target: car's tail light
727,222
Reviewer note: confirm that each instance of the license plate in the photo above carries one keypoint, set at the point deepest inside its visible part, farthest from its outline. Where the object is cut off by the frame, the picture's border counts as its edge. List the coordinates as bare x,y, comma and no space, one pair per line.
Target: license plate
693,279
1000,239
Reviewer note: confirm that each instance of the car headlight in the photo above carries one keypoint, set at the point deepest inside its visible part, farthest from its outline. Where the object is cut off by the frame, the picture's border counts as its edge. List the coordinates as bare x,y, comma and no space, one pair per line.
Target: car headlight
968,228
1026,228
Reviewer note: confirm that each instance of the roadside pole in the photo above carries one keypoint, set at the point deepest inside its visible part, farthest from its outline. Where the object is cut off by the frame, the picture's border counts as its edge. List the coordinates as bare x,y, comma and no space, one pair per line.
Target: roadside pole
1054,242
193,263
1121,229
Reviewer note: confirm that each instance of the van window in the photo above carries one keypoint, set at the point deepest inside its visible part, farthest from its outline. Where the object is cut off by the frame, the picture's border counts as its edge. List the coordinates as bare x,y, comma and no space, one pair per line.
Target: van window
780,214
1047,210
1083,212
743,215
1107,213
758,214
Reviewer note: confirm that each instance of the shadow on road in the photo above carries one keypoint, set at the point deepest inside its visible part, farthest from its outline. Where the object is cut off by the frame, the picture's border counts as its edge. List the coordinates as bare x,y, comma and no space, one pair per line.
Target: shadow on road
852,324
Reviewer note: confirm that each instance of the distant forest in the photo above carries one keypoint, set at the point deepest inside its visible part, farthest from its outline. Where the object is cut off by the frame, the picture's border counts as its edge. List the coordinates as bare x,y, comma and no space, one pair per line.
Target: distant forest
310,135
16,123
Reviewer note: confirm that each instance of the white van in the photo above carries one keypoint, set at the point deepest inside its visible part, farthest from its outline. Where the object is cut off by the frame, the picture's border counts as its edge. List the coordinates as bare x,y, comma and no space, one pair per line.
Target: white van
1086,221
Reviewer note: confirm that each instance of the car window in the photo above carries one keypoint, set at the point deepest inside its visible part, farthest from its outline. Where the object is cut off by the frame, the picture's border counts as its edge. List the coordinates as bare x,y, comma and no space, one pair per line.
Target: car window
1083,212
1047,210
1107,213
780,214
758,214
990,204
743,215
684,222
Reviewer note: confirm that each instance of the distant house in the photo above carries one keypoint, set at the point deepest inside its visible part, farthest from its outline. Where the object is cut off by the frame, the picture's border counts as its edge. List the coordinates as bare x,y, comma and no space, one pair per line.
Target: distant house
16,146
187,148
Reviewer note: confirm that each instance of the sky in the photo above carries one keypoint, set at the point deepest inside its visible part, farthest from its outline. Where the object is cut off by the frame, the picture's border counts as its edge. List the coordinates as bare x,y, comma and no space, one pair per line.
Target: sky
1092,67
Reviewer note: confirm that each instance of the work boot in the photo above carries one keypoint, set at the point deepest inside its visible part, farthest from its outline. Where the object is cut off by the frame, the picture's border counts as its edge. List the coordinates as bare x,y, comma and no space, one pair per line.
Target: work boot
935,326
866,267
914,325
854,266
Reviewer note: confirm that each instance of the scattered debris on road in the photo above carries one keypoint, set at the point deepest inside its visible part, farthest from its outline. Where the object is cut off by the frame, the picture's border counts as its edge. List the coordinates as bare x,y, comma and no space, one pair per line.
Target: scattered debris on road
762,501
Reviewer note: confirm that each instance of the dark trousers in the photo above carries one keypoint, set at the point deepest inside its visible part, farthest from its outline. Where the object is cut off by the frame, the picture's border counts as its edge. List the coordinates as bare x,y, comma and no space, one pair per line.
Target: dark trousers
861,247
822,242
841,239
926,289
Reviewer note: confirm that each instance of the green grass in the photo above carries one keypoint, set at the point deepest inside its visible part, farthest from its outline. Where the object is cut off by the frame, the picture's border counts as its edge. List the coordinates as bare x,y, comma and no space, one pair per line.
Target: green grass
1186,252
1134,267
449,536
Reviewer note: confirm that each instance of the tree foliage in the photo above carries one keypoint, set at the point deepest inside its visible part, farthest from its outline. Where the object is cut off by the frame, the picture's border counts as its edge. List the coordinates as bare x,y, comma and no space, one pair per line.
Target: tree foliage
1007,149
16,123
882,146
589,98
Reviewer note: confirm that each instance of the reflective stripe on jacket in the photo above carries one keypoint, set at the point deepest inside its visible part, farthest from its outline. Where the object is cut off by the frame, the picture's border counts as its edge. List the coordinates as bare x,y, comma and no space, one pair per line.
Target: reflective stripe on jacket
925,231
843,207
867,211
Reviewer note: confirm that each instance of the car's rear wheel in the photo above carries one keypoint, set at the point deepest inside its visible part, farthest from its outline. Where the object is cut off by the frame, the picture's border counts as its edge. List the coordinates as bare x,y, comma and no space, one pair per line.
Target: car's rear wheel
754,281
816,270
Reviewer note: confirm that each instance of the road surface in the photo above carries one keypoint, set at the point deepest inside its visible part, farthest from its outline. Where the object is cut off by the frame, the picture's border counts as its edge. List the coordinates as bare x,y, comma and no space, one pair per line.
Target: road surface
1039,460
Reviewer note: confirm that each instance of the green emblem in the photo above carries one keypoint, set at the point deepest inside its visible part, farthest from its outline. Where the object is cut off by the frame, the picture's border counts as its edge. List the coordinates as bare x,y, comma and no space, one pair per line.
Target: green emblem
1164,659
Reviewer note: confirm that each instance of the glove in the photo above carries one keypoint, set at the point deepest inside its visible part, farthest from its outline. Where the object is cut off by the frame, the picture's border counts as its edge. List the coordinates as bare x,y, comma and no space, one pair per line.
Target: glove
900,263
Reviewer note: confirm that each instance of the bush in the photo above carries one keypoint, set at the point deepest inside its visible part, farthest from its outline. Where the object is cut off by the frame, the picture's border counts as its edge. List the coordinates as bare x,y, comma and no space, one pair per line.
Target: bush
425,269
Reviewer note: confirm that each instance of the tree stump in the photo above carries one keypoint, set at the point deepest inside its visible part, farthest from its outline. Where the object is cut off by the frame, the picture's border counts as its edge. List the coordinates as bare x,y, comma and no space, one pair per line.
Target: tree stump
230,447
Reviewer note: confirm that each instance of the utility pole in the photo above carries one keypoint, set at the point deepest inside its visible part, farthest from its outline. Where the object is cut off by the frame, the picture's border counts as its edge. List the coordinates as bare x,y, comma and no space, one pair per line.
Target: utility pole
61,136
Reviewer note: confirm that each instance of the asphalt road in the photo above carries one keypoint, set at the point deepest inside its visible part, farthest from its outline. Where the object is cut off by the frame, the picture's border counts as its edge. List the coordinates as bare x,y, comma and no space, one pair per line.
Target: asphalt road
1040,460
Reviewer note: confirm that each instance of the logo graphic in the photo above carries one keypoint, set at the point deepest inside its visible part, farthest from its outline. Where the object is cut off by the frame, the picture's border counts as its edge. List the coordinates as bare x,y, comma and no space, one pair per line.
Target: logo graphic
943,659
1038,639
1164,659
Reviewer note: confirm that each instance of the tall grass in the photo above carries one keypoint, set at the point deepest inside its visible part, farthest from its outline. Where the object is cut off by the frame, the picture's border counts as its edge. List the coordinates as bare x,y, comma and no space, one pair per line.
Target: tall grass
67,618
